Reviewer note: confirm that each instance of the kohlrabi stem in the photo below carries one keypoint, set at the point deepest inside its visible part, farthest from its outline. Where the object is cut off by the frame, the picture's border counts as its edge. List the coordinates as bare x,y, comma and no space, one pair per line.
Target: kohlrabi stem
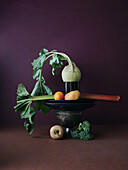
67,58
50,54
36,98
44,97
59,53
43,64
24,100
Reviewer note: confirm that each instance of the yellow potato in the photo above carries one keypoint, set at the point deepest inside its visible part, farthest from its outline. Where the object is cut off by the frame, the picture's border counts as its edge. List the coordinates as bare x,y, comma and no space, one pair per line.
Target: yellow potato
73,95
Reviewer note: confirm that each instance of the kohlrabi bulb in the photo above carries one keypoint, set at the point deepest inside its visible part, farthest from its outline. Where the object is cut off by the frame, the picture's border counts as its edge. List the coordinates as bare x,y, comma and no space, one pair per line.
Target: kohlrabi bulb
71,73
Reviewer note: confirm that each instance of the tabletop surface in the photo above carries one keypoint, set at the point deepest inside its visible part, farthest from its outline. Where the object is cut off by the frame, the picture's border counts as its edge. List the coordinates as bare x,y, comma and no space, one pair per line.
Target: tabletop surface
107,151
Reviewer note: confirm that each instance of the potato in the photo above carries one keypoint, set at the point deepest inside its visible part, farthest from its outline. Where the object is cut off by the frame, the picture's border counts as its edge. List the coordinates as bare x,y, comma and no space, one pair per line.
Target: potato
73,95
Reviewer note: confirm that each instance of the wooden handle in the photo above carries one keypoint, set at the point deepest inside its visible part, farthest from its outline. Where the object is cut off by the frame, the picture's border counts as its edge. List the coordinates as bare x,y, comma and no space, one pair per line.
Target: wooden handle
100,97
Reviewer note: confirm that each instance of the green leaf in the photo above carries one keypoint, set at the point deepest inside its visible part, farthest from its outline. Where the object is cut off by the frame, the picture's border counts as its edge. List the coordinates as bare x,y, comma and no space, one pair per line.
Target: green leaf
54,71
40,105
23,98
53,50
36,73
37,105
37,64
19,98
21,105
29,113
46,90
45,109
29,127
26,111
24,106
55,61
43,51
41,89
21,91
37,89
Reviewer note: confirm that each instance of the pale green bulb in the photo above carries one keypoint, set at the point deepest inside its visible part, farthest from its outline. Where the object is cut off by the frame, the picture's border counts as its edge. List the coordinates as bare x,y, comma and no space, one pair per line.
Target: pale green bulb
71,73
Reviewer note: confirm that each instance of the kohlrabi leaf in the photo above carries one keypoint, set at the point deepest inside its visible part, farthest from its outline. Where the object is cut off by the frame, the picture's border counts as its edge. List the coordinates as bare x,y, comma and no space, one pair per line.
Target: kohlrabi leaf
29,113
55,61
23,97
53,50
21,105
43,51
45,109
36,73
41,89
24,106
29,127
37,64
21,91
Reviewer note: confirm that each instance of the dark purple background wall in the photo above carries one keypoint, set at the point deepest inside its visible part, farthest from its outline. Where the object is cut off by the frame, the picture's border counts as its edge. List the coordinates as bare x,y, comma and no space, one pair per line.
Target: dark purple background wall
93,33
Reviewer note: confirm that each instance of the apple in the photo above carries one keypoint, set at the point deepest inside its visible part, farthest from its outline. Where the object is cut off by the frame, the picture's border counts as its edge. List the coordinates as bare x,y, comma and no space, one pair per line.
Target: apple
56,132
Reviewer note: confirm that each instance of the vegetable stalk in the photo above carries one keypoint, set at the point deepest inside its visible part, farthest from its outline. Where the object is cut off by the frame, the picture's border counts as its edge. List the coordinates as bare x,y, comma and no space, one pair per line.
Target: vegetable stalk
100,97
44,97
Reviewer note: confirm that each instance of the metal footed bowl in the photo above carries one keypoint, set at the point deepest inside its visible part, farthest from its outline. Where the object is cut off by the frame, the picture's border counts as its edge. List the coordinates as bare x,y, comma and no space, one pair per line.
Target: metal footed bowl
69,112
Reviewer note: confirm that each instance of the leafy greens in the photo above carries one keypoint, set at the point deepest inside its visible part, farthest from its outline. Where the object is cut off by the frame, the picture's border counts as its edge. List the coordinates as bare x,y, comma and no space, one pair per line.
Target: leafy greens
24,106
40,92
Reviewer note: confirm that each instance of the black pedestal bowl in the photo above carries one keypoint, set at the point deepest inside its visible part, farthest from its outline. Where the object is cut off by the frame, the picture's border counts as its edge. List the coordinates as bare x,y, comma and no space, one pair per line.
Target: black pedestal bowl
69,112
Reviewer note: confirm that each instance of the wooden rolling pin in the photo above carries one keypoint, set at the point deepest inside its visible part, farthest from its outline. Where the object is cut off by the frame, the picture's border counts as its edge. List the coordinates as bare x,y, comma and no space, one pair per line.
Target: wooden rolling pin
100,97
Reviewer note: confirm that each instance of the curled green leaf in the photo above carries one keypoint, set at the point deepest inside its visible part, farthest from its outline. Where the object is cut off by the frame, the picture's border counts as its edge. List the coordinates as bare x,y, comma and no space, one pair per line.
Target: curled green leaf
55,61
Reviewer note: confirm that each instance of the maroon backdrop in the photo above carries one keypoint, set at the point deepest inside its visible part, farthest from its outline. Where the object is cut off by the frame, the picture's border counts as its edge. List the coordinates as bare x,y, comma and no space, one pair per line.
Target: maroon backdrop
93,33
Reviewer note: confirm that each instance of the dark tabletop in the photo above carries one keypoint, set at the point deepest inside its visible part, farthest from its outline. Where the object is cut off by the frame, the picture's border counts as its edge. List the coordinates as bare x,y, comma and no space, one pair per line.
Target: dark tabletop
107,151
